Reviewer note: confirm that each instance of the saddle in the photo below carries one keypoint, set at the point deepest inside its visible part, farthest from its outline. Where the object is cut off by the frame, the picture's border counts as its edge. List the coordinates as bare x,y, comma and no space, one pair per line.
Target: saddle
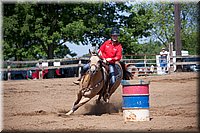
106,66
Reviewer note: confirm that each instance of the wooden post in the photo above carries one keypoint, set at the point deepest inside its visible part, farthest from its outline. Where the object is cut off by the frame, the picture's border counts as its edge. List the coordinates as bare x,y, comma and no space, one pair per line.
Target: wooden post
40,73
178,44
9,70
171,67
40,69
145,64
79,68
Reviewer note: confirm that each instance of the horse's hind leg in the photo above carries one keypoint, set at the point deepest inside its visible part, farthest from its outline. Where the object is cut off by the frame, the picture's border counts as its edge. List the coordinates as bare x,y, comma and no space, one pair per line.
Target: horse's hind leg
99,98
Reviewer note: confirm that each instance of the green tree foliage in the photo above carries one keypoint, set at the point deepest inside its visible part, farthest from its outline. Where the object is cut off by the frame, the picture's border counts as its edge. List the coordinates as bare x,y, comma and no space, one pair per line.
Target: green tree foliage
16,31
39,30
138,25
163,25
189,28
34,31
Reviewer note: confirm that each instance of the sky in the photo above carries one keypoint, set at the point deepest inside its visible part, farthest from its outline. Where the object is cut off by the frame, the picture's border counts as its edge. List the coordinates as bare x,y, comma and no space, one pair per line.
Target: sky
80,50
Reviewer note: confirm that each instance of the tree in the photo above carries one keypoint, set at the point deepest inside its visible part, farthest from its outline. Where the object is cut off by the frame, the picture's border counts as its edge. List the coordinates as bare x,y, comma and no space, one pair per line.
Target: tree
138,24
36,30
16,31
189,25
163,24
40,30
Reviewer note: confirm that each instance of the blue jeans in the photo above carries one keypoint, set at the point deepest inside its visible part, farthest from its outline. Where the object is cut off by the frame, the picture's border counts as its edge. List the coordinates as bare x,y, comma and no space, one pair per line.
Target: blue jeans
112,74
85,68
163,63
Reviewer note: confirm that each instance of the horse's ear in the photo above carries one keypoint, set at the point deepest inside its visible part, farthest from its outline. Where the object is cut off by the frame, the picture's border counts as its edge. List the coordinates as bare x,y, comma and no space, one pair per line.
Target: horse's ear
90,52
93,52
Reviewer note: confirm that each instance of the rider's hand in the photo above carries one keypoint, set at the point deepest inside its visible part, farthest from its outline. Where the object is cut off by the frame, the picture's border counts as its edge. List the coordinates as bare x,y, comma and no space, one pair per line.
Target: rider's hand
104,60
108,59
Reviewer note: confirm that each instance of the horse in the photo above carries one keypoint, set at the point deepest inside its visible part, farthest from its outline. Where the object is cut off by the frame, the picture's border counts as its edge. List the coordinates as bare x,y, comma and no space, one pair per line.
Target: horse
96,82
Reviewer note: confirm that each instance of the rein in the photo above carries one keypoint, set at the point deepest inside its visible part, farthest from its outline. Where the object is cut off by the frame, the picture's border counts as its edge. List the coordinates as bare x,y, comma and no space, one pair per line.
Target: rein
87,88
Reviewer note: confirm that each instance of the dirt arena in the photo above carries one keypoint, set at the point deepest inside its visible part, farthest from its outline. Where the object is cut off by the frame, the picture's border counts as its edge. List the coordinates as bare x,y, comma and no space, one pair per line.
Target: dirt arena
32,105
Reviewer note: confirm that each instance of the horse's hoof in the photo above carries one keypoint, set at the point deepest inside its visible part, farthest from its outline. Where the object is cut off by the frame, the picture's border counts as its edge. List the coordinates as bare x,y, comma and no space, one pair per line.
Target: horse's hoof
69,113
107,100
106,97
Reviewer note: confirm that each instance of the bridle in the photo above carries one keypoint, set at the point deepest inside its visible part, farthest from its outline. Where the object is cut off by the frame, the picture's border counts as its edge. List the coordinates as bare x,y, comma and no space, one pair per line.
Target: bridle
95,66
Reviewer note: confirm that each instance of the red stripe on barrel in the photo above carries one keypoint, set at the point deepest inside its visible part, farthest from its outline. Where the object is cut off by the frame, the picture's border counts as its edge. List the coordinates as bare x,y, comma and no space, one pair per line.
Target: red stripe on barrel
136,89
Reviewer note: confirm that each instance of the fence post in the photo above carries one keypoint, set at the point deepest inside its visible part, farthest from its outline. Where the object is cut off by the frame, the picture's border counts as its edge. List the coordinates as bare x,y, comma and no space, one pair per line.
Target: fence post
145,64
79,68
40,69
171,66
9,70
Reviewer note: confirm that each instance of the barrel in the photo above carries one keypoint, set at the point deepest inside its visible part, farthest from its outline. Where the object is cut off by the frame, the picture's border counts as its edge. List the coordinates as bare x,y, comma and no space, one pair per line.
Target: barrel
135,104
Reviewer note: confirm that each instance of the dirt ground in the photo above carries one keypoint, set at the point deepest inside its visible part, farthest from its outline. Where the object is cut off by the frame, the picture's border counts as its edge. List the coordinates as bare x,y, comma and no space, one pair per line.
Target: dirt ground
32,105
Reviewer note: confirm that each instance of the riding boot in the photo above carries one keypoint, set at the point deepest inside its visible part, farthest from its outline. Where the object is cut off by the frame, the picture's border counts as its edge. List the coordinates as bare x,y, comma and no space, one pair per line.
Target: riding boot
106,96
78,80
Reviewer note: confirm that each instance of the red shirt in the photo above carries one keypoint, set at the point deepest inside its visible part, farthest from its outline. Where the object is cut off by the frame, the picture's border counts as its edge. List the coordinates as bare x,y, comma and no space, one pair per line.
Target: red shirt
109,50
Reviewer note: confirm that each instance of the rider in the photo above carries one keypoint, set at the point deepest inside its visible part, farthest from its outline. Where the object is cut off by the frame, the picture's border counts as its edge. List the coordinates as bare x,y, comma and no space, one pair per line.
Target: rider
110,51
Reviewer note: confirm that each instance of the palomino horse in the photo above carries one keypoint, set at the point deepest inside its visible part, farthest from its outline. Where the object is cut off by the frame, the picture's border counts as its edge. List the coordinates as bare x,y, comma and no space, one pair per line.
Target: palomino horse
96,82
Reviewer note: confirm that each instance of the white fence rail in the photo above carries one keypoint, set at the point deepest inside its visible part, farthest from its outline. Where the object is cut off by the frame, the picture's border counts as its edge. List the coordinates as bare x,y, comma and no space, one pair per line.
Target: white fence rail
146,64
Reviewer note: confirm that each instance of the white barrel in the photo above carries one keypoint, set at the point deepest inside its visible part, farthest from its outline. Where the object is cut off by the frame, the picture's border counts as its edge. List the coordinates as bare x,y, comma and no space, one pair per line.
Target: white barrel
136,115
135,101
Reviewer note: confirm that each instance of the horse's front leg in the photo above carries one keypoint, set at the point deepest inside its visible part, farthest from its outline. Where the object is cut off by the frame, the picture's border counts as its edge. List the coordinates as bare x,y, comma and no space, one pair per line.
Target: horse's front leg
79,96
76,106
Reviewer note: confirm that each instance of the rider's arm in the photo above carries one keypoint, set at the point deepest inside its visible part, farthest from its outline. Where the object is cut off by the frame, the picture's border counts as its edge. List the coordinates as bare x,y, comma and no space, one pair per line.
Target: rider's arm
118,54
101,51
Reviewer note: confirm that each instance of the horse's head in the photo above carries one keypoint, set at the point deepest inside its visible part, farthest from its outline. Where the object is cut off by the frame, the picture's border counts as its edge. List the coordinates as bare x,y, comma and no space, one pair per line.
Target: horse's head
95,62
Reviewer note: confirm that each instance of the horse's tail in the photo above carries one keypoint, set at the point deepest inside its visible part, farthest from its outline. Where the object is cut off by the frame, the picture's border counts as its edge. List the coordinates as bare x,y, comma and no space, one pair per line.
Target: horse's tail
126,74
